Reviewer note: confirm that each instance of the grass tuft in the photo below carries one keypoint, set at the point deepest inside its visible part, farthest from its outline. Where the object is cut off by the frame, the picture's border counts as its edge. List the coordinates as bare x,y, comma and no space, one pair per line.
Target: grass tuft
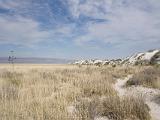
147,77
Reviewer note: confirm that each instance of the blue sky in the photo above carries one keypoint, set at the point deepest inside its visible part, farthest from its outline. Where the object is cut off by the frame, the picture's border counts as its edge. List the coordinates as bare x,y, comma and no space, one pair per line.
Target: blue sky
76,29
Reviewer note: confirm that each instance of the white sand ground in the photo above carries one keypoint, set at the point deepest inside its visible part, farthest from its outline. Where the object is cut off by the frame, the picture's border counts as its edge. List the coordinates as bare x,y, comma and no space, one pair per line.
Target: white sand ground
101,118
147,93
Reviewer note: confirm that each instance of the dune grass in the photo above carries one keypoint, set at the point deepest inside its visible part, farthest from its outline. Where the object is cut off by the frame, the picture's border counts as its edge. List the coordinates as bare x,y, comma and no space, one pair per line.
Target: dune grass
147,77
45,92
113,107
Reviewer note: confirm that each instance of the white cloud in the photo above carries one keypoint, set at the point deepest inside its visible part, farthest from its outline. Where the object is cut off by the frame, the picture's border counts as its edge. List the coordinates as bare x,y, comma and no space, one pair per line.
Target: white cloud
36,9
7,4
127,21
21,25
126,24
99,8
91,8
64,30
23,31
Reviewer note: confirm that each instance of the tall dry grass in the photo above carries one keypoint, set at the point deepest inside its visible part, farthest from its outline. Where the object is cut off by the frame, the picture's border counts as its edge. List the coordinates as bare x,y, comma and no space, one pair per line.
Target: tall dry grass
65,92
147,77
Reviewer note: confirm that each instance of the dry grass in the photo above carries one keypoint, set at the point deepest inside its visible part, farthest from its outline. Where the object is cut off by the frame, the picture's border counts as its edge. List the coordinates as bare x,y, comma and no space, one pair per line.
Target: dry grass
44,92
147,77
114,108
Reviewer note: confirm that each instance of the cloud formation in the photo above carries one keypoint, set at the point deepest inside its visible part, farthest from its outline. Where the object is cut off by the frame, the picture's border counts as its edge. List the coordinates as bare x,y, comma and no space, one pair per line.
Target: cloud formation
126,20
21,31
30,22
122,24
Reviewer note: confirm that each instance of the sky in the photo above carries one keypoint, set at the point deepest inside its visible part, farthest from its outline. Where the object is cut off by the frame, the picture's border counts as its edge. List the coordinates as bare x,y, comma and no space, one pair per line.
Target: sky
79,29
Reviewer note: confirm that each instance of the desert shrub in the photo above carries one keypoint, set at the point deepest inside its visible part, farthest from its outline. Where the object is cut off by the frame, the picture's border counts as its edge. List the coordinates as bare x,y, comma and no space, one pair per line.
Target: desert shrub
97,88
125,108
86,109
148,77
121,72
113,108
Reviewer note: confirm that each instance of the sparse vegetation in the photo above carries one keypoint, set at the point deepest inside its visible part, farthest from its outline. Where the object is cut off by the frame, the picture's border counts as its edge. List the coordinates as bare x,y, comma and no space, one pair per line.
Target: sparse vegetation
114,108
147,77
44,92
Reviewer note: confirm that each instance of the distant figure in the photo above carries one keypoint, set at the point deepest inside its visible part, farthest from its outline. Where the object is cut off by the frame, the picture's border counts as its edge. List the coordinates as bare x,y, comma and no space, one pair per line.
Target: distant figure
11,58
